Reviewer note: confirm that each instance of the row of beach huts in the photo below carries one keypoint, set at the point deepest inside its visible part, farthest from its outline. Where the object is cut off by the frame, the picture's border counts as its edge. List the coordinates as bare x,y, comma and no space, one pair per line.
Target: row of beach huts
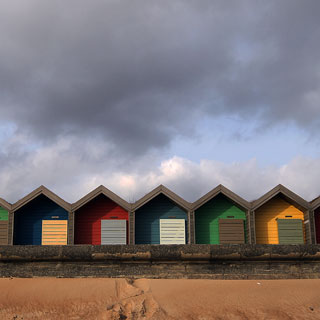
160,217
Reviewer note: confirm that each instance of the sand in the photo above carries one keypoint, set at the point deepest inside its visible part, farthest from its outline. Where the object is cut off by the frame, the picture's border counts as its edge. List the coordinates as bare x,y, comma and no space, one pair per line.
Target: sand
51,298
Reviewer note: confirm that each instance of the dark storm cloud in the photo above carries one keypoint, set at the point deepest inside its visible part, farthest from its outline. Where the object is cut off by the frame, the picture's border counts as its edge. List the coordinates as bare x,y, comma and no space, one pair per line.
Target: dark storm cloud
137,73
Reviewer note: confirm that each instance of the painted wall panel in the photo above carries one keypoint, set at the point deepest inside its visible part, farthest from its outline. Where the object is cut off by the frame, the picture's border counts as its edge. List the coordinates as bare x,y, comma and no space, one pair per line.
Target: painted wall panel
266,219
3,214
88,218
147,219
207,218
317,224
28,219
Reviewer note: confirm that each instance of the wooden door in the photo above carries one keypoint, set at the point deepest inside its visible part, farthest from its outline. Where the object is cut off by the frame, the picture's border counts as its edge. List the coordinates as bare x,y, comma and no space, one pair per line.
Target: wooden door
113,231
172,231
54,232
290,231
231,231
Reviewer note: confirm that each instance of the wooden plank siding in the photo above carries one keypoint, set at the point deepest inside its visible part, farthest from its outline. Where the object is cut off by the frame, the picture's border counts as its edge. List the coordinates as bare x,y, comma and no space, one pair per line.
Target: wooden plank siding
87,219
231,231
172,231
290,231
131,227
3,232
71,228
54,232
147,219
28,219
266,226
208,215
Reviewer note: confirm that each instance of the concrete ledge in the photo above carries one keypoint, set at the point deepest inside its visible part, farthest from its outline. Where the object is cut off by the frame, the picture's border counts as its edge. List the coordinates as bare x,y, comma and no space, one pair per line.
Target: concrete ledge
155,261
155,253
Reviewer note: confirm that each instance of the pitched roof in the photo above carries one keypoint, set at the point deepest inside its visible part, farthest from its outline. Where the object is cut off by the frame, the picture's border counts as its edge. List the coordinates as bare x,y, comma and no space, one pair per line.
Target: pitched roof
5,205
96,192
220,189
165,191
37,192
315,203
288,194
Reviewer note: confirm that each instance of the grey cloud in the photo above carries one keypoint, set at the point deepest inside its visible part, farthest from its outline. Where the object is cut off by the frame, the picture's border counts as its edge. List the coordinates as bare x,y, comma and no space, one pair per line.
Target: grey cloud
71,174
138,73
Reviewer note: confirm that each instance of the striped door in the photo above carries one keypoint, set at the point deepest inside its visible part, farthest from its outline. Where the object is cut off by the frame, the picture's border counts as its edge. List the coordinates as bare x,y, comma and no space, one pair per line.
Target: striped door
3,232
54,232
290,231
113,231
231,231
172,231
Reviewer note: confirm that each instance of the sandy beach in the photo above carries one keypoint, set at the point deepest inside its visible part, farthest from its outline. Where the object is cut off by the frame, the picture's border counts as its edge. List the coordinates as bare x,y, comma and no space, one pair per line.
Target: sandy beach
51,298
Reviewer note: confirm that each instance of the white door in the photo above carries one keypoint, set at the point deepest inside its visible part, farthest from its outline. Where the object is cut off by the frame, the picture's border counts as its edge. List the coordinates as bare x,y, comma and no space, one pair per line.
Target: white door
113,231
172,231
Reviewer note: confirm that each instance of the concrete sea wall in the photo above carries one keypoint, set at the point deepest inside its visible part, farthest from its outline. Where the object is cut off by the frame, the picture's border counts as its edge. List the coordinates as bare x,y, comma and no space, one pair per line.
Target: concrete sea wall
162,261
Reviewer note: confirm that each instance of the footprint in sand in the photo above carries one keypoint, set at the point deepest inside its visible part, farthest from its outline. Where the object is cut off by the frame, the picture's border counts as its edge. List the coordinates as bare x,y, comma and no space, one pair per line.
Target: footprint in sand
134,301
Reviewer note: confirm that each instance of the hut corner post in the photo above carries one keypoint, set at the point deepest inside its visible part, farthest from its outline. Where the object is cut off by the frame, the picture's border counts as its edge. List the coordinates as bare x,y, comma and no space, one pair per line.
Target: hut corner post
10,227
70,228
131,227
191,227
253,227
312,227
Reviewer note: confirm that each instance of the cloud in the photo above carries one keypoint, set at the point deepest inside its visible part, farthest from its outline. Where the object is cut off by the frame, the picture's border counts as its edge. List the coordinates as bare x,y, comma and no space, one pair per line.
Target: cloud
136,74
69,172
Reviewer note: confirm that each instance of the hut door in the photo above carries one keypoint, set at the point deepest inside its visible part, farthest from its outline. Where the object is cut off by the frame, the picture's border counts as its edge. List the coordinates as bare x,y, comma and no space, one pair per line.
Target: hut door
113,231
231,231
172,231
290,231
3,232
54,232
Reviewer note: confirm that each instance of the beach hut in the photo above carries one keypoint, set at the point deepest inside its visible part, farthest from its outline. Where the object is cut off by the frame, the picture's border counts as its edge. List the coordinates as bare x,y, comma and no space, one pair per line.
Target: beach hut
315,207
221,217
5,208
161,217
41,218
101,217
281,217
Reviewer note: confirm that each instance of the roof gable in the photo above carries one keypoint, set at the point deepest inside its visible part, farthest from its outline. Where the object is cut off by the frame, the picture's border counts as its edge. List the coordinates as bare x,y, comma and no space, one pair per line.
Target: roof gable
220,189
98,191
166,192
315,203
290,196
5,205
42,190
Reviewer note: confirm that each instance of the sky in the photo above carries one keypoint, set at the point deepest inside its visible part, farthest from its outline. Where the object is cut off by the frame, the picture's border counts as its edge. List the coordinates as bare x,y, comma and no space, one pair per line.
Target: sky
132,94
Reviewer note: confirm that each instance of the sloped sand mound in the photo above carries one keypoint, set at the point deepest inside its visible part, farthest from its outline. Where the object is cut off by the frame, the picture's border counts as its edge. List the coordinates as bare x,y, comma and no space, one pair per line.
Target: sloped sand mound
50,298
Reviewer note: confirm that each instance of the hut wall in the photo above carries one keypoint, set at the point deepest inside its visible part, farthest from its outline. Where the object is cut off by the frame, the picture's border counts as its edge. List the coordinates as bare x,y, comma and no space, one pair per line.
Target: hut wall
266,219
207,218
147,219
28,219
87,219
